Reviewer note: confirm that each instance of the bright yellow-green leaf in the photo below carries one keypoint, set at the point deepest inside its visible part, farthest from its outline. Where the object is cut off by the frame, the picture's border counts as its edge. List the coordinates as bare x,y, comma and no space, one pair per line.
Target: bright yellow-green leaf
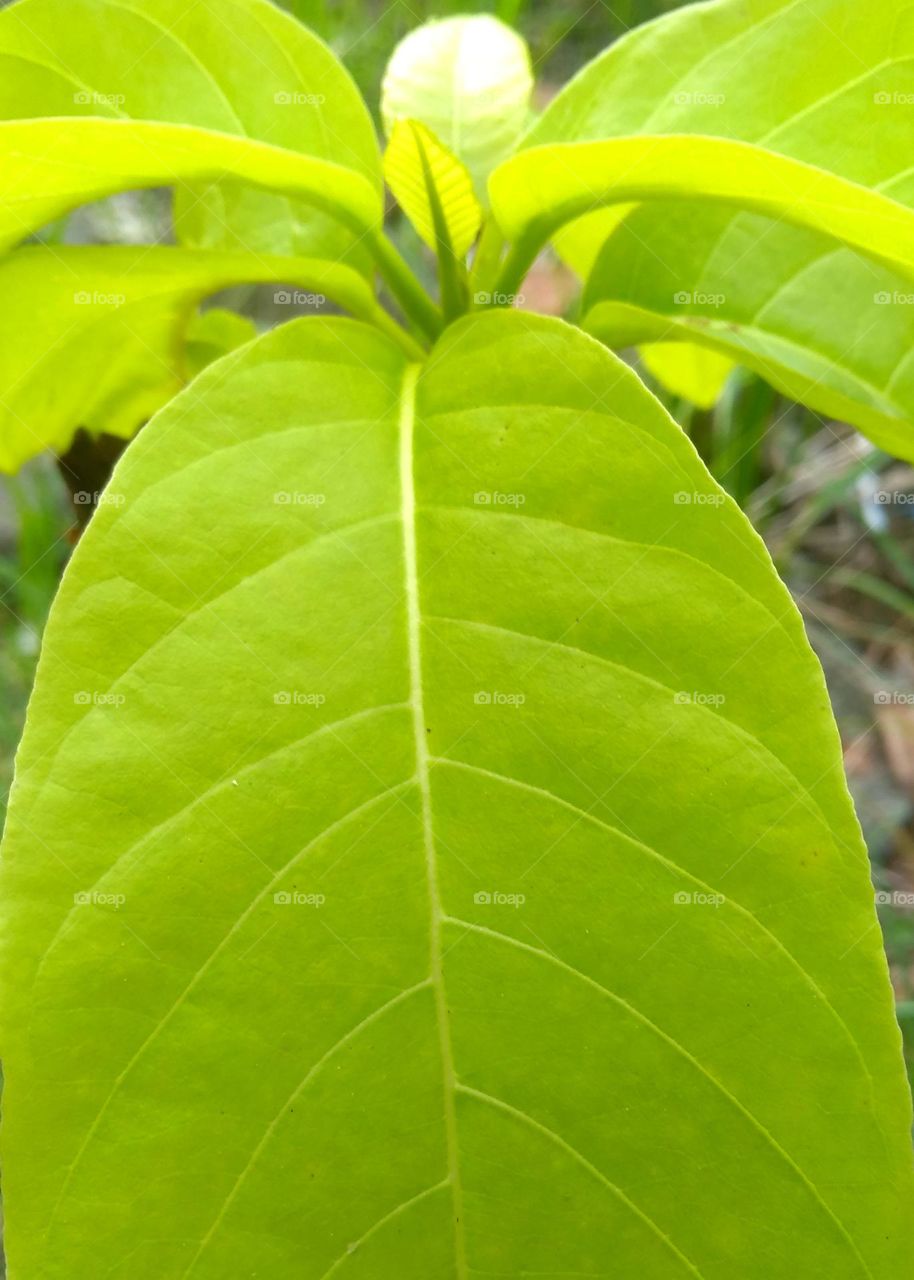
429,856
100,343
242,67
696,373
824,325
414,157
828,82
49,166
579,242
537,191
212,334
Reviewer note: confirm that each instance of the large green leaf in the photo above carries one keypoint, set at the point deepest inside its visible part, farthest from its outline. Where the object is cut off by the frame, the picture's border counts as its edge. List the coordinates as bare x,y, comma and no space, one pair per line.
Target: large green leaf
52,165
100,343
241,67
540,189
829,82
429,854
828,327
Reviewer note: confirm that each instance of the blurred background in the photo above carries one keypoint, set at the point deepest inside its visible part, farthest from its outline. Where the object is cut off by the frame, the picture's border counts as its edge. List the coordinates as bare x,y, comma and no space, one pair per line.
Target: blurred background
814,489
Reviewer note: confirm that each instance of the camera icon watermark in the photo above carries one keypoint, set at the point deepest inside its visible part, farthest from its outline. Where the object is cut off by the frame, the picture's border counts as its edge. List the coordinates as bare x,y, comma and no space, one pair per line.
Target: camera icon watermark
298,298
93,898
495,498
294,98
485,898
93,298
298,698
287,498
87,98
483,298
495,698
684,298
95,698
894,898
98,498
691,98
695,698
683,498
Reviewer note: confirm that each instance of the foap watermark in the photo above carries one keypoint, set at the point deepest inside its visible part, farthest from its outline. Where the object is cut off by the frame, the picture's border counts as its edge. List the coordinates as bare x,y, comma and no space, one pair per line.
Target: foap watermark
88,98
494,698
485,898
895,99
685,499
298,298
698,98
98,498
87,298
95,698
93,898
893,498
495,498
298,698
295,898
892,698
683,899
893,298
293,498
894,898
694,698
685,298
485,299
295,98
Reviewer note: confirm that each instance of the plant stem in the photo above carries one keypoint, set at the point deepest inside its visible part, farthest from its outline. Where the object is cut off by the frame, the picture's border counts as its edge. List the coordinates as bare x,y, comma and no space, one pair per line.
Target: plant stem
388,325
486,262
520,259
407,290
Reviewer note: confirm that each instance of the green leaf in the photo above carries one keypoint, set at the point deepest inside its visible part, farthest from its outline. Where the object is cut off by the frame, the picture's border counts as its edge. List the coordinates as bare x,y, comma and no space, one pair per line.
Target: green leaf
537,191
827,327
212,334
100,343
469,80
416,161
395,732
841,81
240,67
688,370
825,81
51,166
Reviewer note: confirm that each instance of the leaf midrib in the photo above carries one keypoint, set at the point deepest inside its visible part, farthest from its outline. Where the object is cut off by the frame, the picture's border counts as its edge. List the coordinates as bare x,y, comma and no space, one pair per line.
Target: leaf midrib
406,428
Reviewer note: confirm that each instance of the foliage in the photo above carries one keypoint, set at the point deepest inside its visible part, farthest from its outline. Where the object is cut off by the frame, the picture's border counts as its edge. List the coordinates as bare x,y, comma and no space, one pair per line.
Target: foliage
429,853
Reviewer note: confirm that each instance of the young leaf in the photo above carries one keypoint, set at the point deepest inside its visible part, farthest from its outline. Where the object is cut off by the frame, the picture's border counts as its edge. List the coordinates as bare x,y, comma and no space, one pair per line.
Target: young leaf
827,327
240,67
417,167
469,80
429,854
100,344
